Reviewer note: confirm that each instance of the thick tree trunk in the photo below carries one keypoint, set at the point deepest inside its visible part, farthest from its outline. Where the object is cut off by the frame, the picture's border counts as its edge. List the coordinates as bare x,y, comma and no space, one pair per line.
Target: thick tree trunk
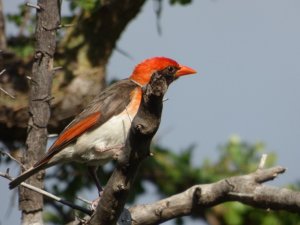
48,18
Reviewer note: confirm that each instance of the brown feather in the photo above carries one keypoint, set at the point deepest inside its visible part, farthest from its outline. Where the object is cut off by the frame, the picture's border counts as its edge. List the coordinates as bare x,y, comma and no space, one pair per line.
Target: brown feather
69,135
112,101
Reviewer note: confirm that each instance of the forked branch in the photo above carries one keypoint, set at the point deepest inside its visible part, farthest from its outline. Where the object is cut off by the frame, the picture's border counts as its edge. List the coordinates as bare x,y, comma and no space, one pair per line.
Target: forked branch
247,189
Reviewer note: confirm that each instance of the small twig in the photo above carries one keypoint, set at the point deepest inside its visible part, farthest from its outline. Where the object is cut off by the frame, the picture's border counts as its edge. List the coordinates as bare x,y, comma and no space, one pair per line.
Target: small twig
57,68
84,200
124,53
44,99
31,80
58,27
11,157
165,99
65,25
2,71
33,6
48,194
5,92
262,161
52,135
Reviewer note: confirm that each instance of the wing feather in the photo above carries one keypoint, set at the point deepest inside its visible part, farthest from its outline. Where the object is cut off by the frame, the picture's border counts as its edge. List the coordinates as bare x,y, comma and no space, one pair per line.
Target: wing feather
110,102
69,135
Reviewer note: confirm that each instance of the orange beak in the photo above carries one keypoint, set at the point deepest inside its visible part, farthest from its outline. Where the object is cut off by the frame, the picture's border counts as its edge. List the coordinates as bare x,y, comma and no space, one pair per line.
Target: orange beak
184,70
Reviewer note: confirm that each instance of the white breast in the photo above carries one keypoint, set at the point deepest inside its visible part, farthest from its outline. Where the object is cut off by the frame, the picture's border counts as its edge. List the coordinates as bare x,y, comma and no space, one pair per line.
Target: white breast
99,145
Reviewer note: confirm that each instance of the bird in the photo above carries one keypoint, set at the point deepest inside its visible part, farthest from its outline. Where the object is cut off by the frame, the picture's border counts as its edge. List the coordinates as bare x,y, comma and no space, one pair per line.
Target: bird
100,130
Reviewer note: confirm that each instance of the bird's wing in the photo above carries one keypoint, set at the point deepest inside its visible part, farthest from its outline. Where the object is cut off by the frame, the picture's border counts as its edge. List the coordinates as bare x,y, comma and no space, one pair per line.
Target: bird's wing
110,102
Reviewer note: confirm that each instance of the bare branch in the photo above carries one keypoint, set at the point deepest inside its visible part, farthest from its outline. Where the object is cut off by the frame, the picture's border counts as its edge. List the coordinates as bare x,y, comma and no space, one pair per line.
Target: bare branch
48,194
5,92
123,52
262,162
57,68
144,126
11,157
2,71
47,15
31,80
246,189
84,200
65,25
52,135
3,44
33,6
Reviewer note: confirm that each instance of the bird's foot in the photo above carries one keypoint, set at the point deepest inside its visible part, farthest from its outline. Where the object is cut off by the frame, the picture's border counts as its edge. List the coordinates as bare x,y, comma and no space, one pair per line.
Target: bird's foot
95,202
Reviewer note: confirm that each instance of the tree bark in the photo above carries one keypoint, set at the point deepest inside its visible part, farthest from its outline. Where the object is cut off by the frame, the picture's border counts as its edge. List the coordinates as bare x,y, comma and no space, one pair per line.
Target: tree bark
2,28
48,19
247,189
143,128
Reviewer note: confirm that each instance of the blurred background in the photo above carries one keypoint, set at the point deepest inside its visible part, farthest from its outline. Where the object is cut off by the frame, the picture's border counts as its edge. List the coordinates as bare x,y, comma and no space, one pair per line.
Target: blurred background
243,102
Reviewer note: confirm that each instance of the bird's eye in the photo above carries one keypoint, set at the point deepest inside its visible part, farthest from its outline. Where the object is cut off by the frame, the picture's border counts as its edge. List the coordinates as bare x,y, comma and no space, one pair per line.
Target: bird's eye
171,69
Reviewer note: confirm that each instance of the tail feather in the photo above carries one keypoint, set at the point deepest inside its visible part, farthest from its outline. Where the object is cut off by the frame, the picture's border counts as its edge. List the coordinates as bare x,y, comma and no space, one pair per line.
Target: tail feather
26,175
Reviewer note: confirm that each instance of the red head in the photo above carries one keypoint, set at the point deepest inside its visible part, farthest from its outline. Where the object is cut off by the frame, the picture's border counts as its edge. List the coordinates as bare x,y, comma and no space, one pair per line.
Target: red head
143,71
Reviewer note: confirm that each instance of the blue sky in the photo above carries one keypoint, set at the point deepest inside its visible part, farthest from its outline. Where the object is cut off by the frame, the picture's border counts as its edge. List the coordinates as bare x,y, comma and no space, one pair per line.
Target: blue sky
247,57
247,54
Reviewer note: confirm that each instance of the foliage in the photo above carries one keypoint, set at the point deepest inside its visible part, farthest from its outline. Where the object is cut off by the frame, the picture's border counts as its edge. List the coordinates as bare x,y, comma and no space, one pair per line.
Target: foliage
84,4
17,18
21,44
